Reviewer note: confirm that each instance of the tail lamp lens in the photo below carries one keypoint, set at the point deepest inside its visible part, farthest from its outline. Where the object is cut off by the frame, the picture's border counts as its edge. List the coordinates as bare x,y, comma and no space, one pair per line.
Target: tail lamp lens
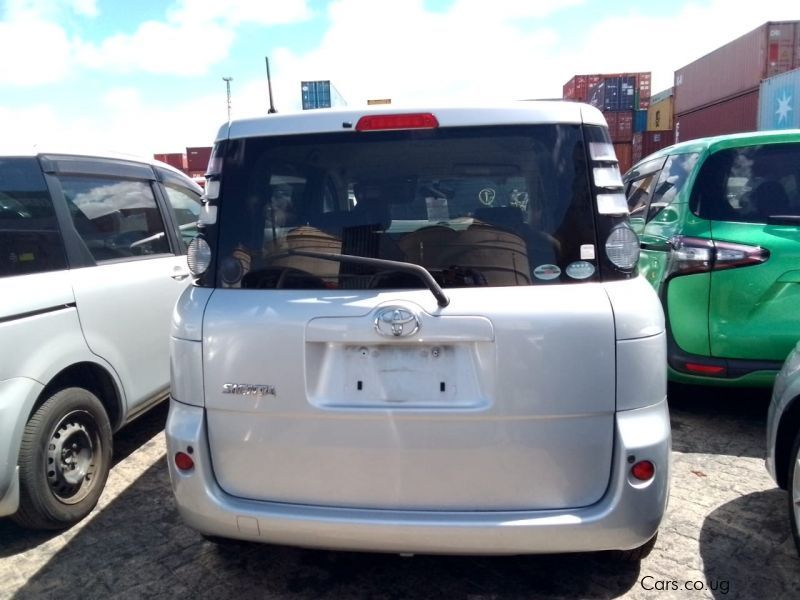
698,255
183,461
622,247
643,470
198,256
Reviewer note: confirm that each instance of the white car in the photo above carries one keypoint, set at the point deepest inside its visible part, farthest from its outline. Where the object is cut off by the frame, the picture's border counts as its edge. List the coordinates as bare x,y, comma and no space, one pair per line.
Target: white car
92,261
420,331
783,436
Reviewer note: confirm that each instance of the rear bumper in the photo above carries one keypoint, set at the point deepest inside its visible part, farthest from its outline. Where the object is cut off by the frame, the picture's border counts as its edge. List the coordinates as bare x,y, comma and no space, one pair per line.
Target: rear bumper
708,370
627,516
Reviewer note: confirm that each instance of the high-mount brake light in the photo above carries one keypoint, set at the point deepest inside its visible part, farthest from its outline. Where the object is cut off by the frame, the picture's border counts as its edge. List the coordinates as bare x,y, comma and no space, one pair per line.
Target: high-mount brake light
398,121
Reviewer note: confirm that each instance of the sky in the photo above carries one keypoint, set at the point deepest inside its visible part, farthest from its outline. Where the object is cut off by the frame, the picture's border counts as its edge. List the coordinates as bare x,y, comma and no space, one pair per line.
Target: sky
146,76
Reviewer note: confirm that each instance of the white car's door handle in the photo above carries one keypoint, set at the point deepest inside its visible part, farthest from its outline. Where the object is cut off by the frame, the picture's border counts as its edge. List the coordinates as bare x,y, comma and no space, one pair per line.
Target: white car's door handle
180,273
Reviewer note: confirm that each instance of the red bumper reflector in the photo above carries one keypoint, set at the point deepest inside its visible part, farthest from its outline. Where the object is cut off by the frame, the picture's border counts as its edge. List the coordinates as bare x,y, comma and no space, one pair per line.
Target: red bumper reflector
183,461
705,369
406,121
643,470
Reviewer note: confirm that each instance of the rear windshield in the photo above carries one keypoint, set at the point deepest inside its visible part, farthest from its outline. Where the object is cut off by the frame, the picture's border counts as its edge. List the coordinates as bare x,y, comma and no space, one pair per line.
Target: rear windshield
493,206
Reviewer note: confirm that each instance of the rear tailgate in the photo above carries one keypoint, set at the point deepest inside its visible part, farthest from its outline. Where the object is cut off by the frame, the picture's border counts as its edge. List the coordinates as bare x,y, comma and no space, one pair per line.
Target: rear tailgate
503,400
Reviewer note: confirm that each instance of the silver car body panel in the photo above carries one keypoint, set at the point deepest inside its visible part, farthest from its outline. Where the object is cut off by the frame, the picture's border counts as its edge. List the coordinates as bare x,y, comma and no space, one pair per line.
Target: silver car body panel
785,392
513,413
627,515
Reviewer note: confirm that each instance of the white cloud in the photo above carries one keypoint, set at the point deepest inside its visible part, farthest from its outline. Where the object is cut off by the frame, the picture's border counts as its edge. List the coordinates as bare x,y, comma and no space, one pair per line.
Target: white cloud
158,47
26,61
236,12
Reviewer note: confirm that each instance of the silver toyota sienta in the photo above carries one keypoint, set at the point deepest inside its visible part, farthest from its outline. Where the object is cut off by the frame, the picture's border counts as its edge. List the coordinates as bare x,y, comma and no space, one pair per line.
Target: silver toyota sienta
420,331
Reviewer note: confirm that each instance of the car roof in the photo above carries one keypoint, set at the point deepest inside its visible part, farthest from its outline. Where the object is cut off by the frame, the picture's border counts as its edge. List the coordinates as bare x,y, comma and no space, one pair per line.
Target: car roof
332,120
731,140
35,150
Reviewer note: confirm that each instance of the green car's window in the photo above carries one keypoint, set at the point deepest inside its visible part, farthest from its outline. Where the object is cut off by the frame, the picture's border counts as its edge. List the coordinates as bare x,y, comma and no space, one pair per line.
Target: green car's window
672,180
749,185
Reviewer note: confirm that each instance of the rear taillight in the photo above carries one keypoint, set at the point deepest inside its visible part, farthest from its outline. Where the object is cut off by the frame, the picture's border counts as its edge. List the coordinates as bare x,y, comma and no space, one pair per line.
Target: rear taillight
398,121
198,256
699,255
622,247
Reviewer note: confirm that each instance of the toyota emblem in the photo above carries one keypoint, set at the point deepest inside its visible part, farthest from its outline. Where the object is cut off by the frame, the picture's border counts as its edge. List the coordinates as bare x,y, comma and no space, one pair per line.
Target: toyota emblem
396,322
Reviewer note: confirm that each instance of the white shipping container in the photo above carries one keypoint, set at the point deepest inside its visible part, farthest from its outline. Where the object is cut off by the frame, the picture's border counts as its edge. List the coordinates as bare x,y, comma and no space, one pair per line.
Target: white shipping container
779,102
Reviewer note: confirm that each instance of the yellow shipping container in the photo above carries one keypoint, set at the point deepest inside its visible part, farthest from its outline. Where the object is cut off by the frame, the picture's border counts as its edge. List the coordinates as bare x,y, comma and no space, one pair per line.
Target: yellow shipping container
659,115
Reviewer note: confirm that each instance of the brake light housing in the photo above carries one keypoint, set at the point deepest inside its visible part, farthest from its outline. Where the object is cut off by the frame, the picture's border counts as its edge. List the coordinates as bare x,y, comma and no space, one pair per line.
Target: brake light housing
699,255
389,122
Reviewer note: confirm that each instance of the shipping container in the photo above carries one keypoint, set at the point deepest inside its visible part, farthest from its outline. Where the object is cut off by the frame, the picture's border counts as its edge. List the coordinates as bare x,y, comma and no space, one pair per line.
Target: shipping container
624,151
659,115
174,159
620,125
320,94
653,141
646,143
577,88
660,96
729,116
639,121
618,91
738,66
779,102
197,158
636,147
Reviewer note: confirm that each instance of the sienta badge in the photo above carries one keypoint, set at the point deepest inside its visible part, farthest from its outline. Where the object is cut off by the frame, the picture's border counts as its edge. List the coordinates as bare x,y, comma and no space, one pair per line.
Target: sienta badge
580,269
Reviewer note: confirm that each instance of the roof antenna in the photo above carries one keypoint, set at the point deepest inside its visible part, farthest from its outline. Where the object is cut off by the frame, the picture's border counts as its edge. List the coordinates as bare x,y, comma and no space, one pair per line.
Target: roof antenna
271,110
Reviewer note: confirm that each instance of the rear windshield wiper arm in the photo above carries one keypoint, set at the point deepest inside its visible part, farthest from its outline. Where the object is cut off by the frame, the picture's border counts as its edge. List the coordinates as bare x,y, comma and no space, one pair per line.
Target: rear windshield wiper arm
421,272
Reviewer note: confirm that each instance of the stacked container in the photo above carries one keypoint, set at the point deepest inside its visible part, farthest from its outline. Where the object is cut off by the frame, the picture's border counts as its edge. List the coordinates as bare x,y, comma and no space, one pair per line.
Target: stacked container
197,160
658,132
623,98
779,102
174,159
718,93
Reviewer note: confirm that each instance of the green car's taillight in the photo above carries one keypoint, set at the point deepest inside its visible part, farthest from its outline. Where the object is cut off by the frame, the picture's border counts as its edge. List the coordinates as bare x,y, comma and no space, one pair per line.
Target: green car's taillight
699,255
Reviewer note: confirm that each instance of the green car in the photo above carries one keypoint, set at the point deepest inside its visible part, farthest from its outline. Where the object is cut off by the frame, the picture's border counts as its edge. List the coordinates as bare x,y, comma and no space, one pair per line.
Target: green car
719,222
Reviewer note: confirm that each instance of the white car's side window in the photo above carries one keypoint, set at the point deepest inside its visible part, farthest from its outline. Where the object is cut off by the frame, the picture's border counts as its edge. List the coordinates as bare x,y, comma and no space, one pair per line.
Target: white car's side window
115,218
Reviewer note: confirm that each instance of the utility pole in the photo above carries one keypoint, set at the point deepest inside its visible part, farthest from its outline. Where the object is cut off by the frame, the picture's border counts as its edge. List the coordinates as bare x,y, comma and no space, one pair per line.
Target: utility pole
227,81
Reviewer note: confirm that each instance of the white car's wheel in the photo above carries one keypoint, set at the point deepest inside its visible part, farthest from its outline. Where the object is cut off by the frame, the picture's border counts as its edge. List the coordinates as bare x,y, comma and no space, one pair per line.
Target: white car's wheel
64,460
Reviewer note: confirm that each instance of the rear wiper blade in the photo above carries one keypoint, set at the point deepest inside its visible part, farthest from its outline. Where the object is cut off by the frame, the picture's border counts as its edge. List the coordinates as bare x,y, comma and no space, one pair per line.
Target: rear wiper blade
421,272
783,220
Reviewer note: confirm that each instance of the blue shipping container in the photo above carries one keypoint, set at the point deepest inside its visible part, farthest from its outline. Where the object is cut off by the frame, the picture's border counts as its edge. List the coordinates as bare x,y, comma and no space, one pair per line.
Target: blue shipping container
628,98
779,102
612,96
639,121
315,94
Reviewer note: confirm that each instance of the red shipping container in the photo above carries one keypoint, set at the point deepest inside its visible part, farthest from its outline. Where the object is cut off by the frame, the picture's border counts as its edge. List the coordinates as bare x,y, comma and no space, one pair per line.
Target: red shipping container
620,125
577,88
636,148
653,141
738,66
624,153
174,159
730,116
197,158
